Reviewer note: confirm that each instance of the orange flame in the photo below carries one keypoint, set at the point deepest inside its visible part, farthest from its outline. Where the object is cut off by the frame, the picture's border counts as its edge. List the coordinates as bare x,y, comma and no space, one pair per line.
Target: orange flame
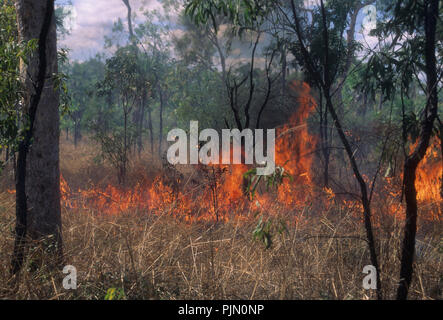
223,197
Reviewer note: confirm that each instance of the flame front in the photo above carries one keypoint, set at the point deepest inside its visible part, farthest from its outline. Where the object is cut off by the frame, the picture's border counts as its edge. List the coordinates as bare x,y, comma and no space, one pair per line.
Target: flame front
221,194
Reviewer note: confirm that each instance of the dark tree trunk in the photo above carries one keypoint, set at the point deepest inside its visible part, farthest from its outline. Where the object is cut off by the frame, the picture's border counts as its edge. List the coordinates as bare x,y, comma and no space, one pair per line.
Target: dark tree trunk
324,139
77,133
122,177
7,155
441,151
284,66
38,178
363,191
414,159
151,131
324,80
160,132
141,121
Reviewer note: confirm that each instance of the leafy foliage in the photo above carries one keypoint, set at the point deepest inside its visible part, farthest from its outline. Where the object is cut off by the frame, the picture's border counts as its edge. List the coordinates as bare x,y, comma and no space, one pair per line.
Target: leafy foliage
115,294
271,181
265,230
240,12
11,51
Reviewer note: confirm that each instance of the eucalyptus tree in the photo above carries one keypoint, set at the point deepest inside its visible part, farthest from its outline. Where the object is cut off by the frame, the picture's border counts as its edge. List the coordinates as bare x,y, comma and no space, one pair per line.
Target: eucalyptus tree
38,213
342,20
159,65
413,54
319,57
324,70
151,44
79,87
87,111
122,81
217,21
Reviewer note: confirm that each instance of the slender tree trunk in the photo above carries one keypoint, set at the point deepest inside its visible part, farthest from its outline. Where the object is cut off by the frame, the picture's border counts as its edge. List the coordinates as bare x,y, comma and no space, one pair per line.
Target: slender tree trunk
38,178
363,191
131,32
351,155
160,132
325,81
125,150
284,66
7,155
413,160
441,151
324,137
151,131
326,149
77,133
141,121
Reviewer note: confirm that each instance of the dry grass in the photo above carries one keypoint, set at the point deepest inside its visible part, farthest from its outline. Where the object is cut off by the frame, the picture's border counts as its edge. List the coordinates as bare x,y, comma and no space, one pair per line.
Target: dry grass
83,167
158,257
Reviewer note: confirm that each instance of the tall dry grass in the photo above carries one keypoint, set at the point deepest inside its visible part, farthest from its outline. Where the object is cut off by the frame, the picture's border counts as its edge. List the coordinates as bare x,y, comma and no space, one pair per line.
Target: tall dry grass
159,257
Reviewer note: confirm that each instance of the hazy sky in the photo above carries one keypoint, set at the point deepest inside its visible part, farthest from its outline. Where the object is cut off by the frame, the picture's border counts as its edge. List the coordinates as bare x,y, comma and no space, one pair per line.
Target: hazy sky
92,20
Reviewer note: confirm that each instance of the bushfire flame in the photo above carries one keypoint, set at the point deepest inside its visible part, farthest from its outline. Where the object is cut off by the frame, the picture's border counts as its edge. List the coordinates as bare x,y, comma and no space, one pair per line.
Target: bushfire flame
221,194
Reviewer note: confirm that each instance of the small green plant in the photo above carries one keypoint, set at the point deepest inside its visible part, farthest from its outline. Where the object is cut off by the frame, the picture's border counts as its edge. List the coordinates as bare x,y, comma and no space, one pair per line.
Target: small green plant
271,181
264,231
115,294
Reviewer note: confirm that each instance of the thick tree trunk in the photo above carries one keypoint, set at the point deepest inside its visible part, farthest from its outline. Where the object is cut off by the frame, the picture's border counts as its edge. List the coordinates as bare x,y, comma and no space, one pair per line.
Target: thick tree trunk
413,160
38,177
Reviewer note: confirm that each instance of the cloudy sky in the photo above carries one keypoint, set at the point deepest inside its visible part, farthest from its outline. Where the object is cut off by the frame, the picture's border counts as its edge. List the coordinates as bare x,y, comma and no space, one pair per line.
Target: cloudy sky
92,20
